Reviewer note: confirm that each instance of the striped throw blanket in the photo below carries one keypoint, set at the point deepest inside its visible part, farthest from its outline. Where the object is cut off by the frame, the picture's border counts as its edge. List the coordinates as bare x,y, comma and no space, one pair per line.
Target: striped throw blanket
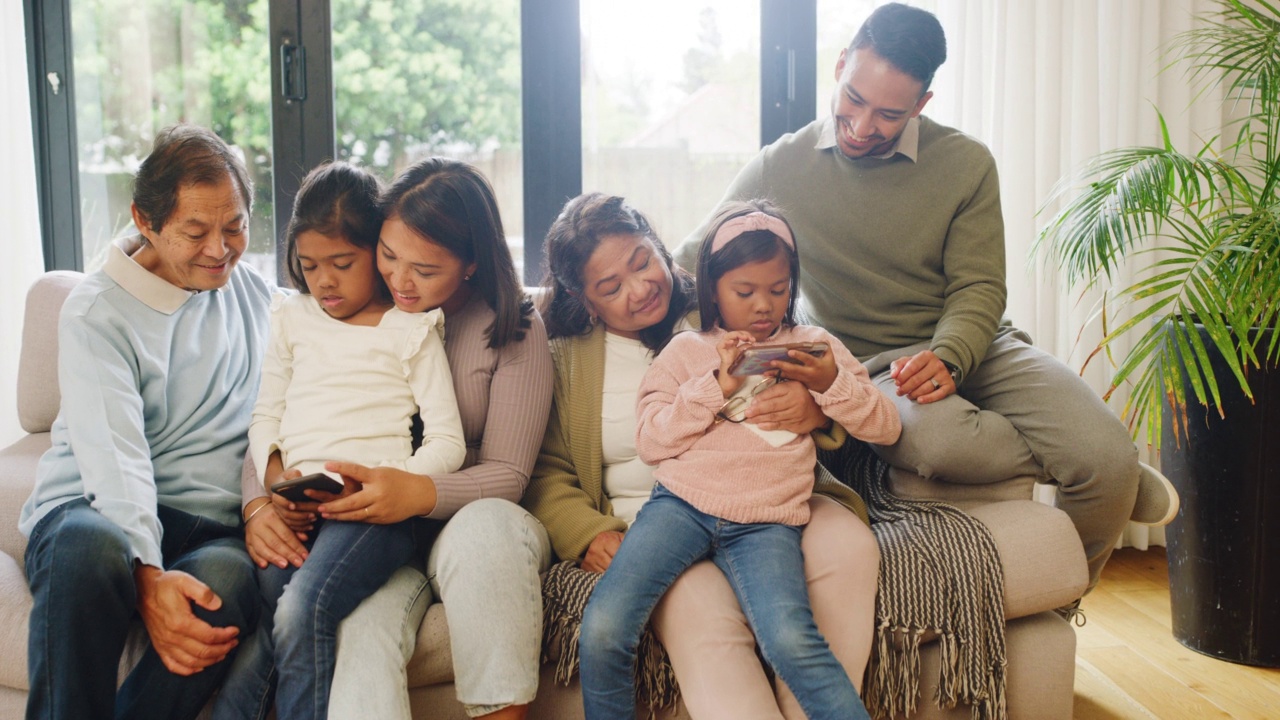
939,572
565,590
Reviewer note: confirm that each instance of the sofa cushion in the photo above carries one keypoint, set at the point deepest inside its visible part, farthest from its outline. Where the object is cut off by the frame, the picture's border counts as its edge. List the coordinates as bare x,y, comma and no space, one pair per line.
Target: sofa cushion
17,478
432,660
15,608
38,396
1040,551
911,486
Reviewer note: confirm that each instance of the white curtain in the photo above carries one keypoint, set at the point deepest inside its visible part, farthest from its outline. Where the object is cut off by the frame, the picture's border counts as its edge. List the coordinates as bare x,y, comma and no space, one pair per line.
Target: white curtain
1048,84
22,256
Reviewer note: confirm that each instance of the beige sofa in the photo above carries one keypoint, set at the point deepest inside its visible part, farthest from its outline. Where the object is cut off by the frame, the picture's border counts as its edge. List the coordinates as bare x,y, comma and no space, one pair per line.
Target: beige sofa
1043,561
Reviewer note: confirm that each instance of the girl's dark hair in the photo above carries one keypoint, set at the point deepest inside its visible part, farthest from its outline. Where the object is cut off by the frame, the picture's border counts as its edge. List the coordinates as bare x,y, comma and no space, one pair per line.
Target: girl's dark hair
451,204
337,200
573,237
185,155
750,247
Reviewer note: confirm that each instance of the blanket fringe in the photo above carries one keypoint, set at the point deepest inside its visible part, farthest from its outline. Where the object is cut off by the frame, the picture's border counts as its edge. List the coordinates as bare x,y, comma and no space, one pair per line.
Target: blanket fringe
565,591
940,573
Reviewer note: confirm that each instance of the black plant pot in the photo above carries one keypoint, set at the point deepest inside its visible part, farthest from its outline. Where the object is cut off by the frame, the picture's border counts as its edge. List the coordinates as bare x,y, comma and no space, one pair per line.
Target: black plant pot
1224,546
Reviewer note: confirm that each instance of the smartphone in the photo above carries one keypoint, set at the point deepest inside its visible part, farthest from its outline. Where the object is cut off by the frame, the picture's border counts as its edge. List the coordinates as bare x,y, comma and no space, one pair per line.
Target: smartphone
293,489
755,359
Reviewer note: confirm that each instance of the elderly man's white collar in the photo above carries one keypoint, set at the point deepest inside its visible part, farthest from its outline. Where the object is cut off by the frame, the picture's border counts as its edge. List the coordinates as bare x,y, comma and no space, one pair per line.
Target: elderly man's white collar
152,290
907,144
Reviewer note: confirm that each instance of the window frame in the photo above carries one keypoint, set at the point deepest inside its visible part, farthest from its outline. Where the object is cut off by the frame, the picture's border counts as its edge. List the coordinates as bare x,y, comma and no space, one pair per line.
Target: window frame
304,132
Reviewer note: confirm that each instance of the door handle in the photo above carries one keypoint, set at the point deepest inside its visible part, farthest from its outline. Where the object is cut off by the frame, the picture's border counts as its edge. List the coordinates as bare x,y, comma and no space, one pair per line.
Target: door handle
293,71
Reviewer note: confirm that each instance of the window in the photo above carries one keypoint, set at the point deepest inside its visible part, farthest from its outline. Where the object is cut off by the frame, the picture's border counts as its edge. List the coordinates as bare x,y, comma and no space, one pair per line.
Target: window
660,103
670,104
420,78
140,66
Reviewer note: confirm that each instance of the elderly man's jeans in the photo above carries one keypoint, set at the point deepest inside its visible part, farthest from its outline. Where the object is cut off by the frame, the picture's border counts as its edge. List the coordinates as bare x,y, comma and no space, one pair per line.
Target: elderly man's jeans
80,570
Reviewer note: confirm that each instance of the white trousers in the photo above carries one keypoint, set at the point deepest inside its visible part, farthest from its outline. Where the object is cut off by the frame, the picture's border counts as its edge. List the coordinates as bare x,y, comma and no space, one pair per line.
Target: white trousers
484,567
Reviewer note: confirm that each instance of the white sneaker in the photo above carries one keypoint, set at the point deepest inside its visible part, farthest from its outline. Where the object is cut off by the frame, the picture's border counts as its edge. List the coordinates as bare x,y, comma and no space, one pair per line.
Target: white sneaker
1157,502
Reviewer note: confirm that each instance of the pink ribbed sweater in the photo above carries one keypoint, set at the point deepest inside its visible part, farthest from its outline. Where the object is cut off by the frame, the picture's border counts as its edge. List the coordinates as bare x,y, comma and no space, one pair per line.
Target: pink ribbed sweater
726,469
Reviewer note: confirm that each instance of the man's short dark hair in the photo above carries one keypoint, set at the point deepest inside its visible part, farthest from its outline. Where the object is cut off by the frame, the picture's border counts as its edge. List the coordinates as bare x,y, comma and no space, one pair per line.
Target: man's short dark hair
910,38
185,155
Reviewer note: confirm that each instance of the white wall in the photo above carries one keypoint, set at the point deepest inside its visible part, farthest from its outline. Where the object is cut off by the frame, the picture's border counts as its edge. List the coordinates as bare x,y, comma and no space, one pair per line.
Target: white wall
21,258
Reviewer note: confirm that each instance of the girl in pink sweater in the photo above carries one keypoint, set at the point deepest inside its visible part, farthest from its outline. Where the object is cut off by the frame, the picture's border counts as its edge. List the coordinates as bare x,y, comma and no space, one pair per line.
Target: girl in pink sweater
727,488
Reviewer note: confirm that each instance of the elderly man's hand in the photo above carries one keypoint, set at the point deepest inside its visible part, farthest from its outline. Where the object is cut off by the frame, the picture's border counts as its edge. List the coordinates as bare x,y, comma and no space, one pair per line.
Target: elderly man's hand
186,644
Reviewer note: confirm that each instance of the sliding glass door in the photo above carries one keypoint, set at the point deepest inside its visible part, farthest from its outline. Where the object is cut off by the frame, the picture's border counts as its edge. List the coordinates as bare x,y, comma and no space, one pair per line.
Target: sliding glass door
139,66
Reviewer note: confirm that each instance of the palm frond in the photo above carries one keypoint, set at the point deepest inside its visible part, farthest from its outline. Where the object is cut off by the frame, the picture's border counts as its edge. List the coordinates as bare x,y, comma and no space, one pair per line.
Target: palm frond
1122,199
1201,231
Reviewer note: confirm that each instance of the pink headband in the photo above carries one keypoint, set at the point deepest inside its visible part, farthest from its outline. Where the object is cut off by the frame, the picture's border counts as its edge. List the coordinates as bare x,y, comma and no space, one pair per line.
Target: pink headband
731,229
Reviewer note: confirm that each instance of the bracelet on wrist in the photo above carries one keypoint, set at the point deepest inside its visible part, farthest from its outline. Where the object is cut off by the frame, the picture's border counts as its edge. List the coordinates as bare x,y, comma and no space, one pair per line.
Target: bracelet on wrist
257,510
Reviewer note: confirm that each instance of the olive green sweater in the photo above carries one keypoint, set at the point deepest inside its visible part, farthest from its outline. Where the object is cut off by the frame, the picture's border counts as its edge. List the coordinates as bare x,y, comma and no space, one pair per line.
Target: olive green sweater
893,252
566,492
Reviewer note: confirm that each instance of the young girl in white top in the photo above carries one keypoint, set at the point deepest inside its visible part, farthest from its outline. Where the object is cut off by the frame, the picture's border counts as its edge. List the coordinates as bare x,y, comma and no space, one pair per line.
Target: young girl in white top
344,376
727,489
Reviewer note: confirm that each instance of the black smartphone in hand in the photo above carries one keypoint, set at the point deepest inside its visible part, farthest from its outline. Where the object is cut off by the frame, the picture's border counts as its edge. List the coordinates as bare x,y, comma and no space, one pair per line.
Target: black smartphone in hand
293,490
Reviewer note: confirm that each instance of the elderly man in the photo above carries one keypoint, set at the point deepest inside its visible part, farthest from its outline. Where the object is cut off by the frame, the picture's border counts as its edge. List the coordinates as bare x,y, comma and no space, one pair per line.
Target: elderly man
136,506
901,240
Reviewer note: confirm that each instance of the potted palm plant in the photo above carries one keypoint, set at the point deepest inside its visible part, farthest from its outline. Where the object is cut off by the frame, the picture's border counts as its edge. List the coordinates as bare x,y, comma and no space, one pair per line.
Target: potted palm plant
1202,228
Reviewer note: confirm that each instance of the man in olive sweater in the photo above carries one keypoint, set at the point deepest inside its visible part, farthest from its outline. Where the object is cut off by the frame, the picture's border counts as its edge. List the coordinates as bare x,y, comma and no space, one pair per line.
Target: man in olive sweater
901,240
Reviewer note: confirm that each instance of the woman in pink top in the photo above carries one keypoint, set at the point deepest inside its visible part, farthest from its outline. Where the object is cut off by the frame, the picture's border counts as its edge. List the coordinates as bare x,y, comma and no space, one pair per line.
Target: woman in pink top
732,491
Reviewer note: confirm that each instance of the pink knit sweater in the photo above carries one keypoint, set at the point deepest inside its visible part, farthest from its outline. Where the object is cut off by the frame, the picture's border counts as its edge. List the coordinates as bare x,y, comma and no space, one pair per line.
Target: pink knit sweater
726,469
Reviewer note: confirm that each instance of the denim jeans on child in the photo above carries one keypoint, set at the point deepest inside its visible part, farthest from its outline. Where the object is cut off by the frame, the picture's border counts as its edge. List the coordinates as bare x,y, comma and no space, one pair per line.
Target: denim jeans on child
80,569
762,563
292,655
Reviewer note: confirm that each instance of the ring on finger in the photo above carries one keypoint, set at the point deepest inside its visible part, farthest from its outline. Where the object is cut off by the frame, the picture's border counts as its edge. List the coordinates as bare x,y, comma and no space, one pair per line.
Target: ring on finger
936,384
366,513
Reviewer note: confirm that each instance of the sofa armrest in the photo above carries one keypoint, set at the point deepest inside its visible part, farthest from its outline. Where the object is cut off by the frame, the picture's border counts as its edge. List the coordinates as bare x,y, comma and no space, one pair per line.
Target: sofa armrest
1040,552
17,478
38,396
15,610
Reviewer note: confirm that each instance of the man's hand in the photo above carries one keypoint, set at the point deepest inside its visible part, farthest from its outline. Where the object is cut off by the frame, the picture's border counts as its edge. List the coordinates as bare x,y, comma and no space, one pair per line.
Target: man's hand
787,406
270,540
186,644
386,495
922,377
601,551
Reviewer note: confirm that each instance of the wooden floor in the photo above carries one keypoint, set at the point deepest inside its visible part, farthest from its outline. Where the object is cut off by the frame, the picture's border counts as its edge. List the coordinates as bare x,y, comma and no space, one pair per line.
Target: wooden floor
1129,666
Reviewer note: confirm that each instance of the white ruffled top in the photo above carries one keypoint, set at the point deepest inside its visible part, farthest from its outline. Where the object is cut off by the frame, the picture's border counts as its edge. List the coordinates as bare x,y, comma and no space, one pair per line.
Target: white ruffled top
332,390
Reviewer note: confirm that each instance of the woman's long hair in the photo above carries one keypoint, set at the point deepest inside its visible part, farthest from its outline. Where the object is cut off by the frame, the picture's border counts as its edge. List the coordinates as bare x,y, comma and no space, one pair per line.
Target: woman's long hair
451,204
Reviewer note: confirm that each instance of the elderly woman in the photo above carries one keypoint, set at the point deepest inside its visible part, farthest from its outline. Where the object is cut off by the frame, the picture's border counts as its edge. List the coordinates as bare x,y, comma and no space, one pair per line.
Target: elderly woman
442,246
614,298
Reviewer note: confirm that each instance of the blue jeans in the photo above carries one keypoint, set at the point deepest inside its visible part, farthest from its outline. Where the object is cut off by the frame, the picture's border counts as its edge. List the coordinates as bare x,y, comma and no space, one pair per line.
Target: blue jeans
80,569
762,563
295,647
